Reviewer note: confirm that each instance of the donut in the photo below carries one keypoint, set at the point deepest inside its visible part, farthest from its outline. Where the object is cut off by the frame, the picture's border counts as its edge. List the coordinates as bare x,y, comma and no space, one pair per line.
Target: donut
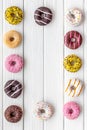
43,110
13,114
13,88
13,15
73,39
74,87
14,63
74,16
71,110
43,16
12,39
72,63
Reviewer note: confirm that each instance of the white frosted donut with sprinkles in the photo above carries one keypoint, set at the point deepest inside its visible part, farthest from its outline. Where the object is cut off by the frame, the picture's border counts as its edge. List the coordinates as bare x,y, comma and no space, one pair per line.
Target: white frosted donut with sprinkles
74,16
43,110
74,87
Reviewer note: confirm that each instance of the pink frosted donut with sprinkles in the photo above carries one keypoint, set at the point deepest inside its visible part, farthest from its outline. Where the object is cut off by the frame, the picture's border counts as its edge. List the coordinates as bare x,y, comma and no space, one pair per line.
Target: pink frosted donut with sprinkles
43,110
73,39
71,110
43,16
14,63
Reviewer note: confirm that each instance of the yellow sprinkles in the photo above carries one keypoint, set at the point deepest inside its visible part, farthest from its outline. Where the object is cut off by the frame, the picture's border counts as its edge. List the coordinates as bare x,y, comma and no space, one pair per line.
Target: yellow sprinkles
13,15
72,63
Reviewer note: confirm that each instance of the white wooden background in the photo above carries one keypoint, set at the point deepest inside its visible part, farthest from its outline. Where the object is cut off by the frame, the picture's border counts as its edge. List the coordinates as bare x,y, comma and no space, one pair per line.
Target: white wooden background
43,76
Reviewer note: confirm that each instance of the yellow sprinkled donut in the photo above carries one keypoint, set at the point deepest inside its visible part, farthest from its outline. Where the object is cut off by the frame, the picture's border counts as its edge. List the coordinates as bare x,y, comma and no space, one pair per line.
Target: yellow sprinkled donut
14,15
72,63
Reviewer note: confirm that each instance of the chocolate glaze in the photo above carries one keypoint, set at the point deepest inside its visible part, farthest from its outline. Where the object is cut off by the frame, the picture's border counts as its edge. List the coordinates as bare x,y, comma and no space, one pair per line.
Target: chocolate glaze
13,88
43,16
13,114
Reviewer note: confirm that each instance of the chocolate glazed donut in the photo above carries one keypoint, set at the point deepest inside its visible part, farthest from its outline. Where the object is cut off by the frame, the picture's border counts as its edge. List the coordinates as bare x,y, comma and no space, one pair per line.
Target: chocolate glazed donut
43,16
73,39
13,114
13,88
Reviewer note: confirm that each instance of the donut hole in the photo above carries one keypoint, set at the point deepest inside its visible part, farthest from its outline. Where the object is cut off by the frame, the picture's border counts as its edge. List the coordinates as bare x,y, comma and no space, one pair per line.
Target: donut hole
72,63
70,111
12,114
42,111
13,15
11,39
72,88
43,15
12,63
72,15
13,88
73,39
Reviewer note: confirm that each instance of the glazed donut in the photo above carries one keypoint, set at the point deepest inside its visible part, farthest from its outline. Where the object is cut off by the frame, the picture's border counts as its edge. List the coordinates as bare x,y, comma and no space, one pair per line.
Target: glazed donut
13,88
43,16
12,38
72,63
71,110
73,39
14,63
74,87
43,110
13,15
13,114
74,16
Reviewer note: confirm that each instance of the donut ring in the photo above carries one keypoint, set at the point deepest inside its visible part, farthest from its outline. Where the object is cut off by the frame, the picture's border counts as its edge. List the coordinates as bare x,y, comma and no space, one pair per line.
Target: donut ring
43,110
13,114
14,63
71,110
13,15
74,16
12,39
43,16
72,63
73,39
74,87
13,88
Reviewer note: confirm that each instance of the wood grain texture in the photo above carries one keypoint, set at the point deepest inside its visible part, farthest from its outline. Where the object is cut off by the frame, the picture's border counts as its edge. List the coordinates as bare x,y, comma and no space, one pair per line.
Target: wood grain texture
76,123
43,76
1,65
7,75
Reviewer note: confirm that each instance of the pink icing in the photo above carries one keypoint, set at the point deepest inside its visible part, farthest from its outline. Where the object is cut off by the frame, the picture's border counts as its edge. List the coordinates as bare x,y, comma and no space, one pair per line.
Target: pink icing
14,63
71,110
73,39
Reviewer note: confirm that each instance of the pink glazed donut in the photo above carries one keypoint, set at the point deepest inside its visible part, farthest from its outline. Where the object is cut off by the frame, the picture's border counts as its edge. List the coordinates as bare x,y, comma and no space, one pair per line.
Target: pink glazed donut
73,39
71,110
14,63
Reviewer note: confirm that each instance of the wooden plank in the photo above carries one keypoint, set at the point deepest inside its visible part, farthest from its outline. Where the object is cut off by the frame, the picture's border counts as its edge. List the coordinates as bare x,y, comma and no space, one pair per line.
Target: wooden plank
85,66
78,123
7,75
33,72
53,68
1,64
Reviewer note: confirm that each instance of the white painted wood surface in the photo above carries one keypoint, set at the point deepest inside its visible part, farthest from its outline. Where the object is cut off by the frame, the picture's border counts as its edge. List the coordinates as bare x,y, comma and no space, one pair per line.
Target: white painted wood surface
43,75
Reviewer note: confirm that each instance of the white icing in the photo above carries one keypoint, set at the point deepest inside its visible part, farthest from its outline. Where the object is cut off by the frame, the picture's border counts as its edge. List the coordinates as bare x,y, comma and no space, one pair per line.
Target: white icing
78,87
74,16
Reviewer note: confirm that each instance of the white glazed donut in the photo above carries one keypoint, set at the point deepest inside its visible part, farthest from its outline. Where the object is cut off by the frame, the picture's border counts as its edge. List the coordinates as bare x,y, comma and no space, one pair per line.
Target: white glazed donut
74,16
74,87
43,110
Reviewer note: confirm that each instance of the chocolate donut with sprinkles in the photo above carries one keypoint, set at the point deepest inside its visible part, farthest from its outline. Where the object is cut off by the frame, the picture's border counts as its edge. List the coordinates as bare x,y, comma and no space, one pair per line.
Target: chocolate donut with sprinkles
43,16
13,88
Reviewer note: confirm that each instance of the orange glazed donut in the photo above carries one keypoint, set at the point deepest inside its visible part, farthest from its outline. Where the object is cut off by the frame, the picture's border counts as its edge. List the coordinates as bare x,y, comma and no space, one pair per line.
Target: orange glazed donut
12,39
